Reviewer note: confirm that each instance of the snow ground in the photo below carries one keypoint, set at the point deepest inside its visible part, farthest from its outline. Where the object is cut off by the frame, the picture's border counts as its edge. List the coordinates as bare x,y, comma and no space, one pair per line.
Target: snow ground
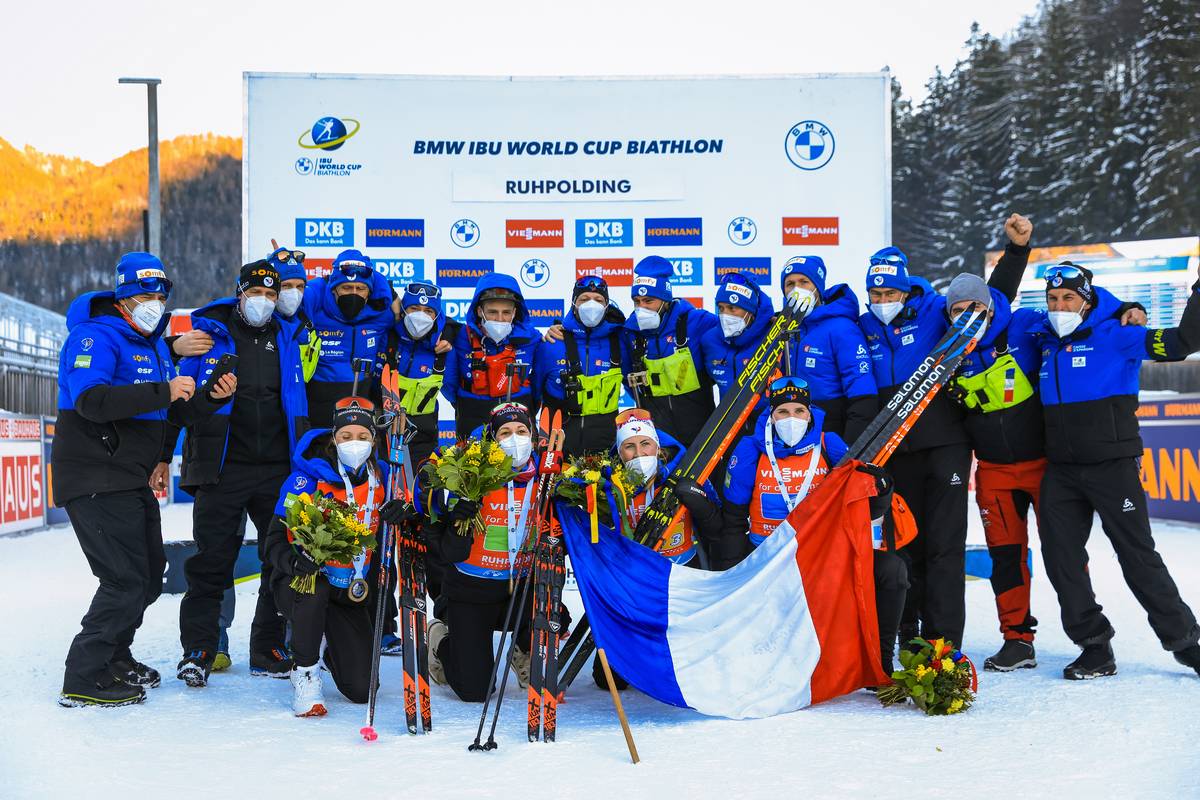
1031,734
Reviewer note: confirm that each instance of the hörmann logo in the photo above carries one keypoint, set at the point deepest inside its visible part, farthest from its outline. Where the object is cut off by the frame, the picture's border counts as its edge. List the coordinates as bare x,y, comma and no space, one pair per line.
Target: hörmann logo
395,232
463,271
615,271
758,268
534,232
674,231
810,230
604,233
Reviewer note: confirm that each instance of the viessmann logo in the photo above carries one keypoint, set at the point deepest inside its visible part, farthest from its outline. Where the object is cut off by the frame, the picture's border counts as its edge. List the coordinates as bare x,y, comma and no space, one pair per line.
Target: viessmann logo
533,232
810,230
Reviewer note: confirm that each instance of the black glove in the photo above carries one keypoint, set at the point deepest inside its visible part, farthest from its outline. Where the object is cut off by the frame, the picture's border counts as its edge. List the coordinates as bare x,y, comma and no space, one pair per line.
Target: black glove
464,510
955,391
301,563
693,498
394,512
884,485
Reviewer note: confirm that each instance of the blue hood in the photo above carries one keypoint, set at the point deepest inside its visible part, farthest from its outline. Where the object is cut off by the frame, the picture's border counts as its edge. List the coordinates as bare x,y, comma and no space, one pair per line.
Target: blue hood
498,280
811,436
1001,316
316,465
82,310
763,310
381,290
838,301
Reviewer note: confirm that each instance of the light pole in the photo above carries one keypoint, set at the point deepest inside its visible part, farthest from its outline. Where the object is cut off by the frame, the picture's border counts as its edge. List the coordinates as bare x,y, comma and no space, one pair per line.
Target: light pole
154,206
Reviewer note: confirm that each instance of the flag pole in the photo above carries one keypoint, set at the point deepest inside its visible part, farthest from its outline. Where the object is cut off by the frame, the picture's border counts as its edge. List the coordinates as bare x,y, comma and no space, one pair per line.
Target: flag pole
612,688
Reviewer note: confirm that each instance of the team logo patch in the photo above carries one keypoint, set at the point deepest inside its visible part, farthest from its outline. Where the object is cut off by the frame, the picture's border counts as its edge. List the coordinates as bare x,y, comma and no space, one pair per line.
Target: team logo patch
87,343
83,362
882,269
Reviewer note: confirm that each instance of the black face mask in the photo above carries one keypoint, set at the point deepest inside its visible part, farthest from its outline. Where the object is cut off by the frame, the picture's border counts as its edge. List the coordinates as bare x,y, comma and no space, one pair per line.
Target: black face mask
350,305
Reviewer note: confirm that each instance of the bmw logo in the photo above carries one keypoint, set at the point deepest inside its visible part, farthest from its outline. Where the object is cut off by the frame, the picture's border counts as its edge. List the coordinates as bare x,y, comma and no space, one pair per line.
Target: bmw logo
328,133
809,144
535,273
742,230
464,233
304,165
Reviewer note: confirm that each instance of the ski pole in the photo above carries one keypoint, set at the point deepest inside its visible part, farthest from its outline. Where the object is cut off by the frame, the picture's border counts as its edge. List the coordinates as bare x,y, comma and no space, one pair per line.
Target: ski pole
356,366
616,697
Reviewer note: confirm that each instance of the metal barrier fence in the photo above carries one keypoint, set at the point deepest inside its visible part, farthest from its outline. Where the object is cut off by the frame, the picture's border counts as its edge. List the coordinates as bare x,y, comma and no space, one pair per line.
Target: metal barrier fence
30,338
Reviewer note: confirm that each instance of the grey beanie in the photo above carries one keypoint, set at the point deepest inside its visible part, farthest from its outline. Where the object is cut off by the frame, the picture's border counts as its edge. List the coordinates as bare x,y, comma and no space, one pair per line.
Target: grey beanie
968,287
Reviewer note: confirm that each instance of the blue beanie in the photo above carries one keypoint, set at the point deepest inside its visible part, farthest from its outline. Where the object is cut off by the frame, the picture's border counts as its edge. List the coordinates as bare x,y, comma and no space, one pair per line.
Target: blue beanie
291,268
422,293
738,290
139,273
888,270
811,267
351,266
652,278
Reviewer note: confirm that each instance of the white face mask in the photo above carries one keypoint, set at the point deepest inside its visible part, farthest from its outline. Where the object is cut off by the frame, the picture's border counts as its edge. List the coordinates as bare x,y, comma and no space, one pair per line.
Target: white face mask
147,315
257,310
645,466
289,301
497,331
802,299
732,325
647,320
1065,322
791,430
518,448
590,313
354,453
418,324
886,311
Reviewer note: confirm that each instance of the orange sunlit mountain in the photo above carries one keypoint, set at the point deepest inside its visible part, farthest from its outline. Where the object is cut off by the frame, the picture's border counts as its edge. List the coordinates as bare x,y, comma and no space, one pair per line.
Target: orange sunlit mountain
64,221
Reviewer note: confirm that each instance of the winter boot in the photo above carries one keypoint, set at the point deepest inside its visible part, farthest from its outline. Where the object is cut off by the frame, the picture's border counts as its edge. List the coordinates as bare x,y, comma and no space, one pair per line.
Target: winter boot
107,692
132,672
391,645
194,668
436,633
1014,654
1096,661
520,666
222,662
1189,657
274,664
307,698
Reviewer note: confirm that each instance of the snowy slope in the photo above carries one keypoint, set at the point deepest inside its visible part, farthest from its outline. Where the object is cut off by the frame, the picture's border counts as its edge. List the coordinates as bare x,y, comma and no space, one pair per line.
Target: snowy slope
1031,734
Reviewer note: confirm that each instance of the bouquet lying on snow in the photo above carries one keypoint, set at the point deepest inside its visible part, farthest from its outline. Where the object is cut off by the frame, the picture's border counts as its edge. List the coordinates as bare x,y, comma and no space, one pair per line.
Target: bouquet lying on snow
580,487
469,470
328,530
938,678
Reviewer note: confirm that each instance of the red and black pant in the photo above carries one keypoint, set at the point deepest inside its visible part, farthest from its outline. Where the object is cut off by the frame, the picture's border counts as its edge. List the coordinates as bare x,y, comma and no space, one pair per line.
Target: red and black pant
1005,493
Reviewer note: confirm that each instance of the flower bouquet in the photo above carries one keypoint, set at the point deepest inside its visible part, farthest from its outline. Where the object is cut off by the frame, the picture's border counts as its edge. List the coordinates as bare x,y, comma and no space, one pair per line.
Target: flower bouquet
469,470
937,678
580,487
328,530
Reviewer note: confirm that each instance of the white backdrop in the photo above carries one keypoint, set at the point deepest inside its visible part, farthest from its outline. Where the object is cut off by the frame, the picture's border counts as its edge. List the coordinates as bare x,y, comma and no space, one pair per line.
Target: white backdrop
545,178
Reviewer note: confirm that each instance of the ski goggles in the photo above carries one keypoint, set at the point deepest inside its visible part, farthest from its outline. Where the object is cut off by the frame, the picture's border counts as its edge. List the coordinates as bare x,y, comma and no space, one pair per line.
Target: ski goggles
1065,270
154,286
632,415
788,381
423,290
290,258
355,270
889,260
591,283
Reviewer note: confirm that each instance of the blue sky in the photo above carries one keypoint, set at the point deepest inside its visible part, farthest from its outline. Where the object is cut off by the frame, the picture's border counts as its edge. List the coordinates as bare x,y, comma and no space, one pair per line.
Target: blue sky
61,60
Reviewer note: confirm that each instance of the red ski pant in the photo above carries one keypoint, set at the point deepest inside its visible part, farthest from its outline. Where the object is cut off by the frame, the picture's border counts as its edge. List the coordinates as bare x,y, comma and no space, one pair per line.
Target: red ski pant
1004,493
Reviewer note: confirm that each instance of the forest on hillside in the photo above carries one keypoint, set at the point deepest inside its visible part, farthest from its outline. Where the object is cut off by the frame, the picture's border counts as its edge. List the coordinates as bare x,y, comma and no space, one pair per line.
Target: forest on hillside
1086,118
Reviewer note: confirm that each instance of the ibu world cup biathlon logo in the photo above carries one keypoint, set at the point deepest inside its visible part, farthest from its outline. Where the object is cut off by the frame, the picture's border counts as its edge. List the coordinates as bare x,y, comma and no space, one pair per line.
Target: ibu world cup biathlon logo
742,231
464,233
809,144
535,273
328,133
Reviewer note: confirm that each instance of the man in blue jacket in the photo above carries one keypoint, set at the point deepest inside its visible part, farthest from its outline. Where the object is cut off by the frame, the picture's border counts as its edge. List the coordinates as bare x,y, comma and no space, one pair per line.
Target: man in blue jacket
494,355
119,401
234,462
829,351
580,374
351,311
661,355
1088,379
744,313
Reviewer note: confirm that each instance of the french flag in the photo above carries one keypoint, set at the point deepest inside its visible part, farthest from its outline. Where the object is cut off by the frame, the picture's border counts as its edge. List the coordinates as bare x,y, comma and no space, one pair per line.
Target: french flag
792,625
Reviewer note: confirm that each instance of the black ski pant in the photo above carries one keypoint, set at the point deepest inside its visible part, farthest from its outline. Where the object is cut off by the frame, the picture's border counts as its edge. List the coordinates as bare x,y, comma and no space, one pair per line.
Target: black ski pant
120,534
345,626
934,484
1112,489
467,651
216,517
891,587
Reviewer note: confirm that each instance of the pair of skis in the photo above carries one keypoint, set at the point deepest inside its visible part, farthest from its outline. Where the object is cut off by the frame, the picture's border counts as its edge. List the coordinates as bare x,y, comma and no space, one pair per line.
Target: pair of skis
549,577
410,575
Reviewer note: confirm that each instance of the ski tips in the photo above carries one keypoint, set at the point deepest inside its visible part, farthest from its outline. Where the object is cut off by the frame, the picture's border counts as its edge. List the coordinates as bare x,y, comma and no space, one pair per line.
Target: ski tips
368,733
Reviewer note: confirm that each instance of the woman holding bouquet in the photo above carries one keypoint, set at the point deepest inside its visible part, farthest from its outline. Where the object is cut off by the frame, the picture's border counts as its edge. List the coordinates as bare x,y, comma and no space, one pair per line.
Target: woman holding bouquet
322,597
480,539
